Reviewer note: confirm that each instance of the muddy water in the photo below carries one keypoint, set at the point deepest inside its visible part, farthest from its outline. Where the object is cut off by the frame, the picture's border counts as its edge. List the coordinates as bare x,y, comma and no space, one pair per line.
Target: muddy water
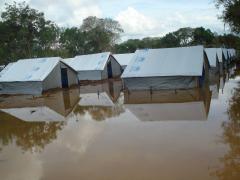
99,132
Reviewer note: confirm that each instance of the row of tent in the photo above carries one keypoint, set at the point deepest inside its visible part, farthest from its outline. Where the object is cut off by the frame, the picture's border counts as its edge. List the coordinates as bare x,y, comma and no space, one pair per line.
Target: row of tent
167,68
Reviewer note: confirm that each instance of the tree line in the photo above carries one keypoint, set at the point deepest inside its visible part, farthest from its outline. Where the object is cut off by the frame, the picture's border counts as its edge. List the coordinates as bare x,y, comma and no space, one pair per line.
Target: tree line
25,33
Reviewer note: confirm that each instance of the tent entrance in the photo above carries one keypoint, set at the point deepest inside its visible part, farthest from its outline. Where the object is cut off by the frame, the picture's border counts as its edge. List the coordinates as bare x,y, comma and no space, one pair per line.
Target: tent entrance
109,69
202,78
64,77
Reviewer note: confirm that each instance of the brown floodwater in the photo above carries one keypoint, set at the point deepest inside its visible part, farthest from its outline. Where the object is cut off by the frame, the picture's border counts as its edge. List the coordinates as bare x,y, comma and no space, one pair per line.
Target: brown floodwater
99,132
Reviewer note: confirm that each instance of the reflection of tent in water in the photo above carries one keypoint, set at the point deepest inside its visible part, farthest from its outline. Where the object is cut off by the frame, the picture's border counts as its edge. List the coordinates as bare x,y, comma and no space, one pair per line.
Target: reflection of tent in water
53,107
168,105
214,85
98,100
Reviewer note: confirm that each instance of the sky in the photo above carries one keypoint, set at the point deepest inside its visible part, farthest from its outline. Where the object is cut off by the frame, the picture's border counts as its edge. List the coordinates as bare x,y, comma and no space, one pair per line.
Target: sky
138,18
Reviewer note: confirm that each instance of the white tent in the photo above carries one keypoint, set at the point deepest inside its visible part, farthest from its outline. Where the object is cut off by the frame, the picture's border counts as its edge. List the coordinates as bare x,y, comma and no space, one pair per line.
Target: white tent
169,68
95,66
213,61
123,59
33,76
1,67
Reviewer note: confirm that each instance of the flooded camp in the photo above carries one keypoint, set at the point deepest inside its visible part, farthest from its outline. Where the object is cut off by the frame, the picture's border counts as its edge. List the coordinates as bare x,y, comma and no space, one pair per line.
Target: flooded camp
169,68
33,76
93,67
119,90
123,59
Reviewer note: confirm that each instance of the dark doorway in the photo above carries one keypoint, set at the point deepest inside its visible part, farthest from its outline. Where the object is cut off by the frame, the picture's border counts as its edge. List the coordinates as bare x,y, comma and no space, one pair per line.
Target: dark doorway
109,69
64,77
202,78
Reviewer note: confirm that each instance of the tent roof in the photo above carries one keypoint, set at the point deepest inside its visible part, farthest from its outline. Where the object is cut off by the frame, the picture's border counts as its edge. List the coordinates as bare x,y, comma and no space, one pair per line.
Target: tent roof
219,54
29,69
225,53
123,59
183,61
212,56
88,62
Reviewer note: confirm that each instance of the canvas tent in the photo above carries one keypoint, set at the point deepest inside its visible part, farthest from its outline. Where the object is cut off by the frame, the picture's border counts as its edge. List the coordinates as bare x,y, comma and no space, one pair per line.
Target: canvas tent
221,59
56,107
1,67
167,105
213,60
94,67
123,59
170,68
33,76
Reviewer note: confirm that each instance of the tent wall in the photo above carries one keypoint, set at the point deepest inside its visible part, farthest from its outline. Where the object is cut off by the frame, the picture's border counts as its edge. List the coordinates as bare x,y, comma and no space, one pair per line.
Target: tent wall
53,80
89,75
146,83
34,88
116,67
72,75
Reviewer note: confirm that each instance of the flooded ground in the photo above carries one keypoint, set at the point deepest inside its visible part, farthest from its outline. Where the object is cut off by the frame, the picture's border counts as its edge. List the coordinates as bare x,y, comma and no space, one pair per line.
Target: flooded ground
100,132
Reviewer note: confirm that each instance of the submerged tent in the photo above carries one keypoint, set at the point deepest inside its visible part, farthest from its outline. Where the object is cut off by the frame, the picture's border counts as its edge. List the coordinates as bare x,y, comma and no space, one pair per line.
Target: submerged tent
169,68
1,67
213,62
95,66
168,105
33,76
123,59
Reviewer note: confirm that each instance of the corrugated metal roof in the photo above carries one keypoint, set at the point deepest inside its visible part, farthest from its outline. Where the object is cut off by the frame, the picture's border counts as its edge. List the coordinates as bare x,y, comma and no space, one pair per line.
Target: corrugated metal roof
184,61
29,69
123,59
88,62
212,56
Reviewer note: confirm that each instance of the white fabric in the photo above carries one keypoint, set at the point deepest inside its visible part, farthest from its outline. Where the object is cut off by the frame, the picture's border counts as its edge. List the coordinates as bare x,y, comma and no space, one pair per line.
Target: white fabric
88,62
219,54
29,69
225,53
212,56
123,59
184,61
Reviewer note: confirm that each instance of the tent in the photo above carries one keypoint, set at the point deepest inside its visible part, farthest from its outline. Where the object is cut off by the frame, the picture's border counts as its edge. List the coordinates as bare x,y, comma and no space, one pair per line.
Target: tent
222,60
165,105
33,76
95,66
52,108
1,67
169,68
213,62
123,59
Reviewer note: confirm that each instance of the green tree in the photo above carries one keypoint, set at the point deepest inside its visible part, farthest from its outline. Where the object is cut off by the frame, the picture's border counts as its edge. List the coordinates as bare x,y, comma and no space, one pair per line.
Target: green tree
203,36
231,13
28,33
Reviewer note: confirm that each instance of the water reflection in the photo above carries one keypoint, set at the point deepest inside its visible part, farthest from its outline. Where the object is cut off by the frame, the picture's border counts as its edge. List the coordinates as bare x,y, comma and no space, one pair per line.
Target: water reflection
32,122
100,101
190,104
230,168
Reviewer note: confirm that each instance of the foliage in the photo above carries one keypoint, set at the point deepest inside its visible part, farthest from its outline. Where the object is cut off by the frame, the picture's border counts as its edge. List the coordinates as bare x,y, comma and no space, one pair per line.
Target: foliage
231,13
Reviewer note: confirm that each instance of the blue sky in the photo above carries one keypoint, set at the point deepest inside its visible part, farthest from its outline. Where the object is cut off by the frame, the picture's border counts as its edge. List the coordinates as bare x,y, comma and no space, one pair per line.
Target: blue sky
139,18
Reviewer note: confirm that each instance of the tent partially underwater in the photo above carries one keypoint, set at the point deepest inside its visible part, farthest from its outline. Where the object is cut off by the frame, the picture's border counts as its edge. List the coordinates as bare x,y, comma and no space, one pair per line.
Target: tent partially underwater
34,76
213,62
94,67
123,59
169,68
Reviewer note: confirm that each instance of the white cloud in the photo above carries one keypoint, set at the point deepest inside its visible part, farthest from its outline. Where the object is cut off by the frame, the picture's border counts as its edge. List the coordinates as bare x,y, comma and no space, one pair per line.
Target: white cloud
138,25
135,23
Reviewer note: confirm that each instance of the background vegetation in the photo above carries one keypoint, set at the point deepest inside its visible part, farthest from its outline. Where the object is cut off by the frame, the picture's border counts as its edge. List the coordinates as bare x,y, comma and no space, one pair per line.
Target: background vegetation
25,33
